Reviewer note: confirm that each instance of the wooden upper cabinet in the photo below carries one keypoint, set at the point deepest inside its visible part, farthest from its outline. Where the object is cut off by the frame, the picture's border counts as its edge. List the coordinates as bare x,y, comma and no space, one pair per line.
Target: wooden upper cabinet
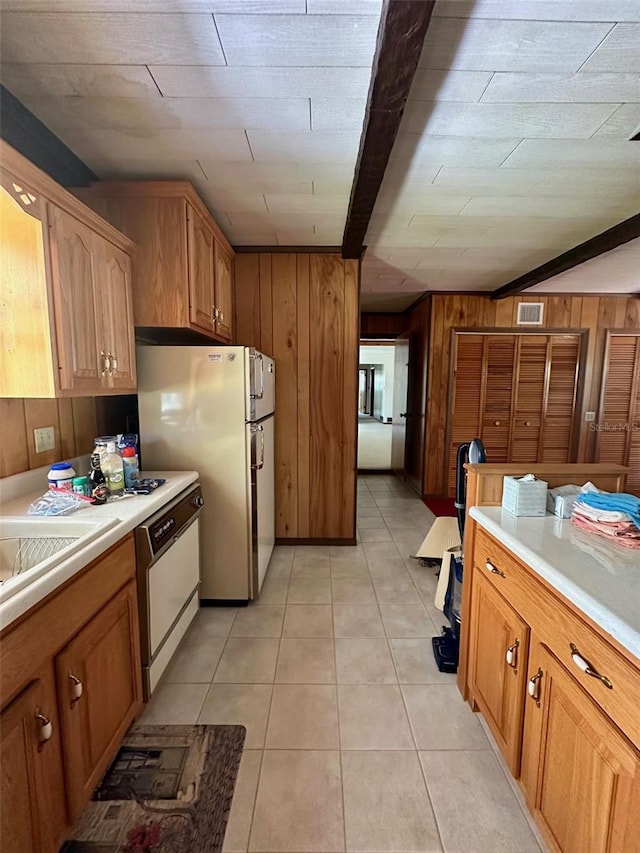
619,420
182,269
582,775
32,817
57,263
223,293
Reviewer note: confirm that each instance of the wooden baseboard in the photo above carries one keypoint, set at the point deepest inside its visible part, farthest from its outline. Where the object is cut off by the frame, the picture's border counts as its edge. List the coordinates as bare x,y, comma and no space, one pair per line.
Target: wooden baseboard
282,541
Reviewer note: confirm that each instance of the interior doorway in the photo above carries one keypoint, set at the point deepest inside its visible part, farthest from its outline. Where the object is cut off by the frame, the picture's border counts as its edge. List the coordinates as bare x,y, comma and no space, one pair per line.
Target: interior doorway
375,405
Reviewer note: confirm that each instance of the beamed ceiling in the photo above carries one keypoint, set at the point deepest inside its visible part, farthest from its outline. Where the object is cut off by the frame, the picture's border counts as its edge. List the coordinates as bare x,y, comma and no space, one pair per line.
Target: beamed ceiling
513,148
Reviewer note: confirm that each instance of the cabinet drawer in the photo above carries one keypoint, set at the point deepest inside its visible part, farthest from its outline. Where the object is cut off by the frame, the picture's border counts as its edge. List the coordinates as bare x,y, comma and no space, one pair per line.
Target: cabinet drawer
559,628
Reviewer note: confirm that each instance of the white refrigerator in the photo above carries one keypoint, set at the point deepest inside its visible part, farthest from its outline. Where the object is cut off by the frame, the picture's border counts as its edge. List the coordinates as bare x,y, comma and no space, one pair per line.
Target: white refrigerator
211,409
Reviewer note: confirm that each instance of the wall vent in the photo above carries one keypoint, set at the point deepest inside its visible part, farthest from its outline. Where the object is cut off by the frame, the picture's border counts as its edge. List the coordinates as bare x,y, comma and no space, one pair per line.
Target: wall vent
530,313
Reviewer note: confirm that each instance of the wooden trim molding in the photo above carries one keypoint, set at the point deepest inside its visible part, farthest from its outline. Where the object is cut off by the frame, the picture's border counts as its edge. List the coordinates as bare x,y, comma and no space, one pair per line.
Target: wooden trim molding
613,237
401,34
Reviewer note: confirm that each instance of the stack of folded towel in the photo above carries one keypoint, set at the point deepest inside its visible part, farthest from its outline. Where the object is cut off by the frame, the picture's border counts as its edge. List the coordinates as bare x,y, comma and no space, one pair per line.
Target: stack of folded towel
612,514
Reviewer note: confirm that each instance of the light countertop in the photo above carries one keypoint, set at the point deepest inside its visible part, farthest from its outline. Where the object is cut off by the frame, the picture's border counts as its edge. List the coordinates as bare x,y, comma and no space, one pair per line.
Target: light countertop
127,513
601,579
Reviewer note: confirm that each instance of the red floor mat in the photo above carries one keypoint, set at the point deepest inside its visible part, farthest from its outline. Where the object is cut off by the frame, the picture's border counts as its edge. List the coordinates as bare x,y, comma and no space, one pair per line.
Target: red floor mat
441,506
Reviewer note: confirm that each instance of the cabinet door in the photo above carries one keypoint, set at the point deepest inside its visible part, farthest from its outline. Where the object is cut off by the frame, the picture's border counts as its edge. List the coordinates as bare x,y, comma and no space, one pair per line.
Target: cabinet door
560,400
583,775
116,318
74,264
99,689
499,649
33,814
201,271
466,405
498,389
224,294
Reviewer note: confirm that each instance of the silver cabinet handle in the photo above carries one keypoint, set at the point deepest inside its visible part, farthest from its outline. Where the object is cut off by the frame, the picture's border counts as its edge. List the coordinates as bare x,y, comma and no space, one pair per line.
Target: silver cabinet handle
114,363
512,654
221,316
259,465
489,566
259,396
46,729
77,689
533,688
586,667
106,362
214,313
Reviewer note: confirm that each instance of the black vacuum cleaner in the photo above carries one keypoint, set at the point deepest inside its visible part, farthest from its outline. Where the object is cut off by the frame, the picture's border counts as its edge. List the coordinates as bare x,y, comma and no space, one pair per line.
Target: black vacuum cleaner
446,647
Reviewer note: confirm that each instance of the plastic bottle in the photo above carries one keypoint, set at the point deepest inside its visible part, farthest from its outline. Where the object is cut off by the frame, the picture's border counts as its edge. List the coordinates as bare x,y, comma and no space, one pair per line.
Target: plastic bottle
131,470
97,483
81,486
61,475
113,469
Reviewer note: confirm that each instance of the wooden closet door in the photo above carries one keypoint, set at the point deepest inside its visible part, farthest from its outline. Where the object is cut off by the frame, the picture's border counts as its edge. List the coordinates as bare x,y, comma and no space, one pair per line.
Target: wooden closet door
619,421
563,357
499,356
466,402
530,368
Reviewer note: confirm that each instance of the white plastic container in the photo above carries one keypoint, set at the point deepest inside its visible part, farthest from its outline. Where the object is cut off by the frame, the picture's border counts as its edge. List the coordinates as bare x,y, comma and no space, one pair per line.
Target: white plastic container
61,475
113,470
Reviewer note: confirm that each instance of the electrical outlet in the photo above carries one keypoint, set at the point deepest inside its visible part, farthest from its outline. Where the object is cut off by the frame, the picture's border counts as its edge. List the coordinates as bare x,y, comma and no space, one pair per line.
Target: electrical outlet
589,417
45,439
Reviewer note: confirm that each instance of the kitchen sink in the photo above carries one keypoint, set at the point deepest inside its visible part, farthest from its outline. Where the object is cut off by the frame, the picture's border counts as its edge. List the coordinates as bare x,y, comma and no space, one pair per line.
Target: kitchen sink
30,547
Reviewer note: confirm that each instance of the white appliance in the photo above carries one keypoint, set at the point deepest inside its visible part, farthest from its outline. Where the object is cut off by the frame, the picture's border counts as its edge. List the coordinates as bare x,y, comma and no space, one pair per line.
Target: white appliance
211,409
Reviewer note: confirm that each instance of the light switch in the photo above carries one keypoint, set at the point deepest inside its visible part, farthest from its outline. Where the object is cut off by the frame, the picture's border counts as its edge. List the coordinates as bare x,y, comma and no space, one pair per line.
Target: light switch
45,439
589,417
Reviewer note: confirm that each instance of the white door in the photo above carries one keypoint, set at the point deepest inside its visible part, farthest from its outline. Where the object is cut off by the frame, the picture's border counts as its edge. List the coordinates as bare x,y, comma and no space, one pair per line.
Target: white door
400,386
261,371
262,500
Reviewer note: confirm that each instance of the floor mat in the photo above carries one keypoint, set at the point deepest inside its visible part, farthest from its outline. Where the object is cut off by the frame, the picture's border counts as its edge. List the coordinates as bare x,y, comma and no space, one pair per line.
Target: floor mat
169,789
441,506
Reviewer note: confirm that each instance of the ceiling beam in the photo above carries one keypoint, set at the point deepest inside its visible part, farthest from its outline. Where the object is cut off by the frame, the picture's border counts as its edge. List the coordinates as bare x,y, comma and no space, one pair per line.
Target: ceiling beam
401,34
621,233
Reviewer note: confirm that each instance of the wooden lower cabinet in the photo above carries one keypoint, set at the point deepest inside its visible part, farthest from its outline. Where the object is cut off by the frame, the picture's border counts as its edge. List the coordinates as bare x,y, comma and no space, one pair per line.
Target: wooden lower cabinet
70,685
32,817
499,650
582,776
99,694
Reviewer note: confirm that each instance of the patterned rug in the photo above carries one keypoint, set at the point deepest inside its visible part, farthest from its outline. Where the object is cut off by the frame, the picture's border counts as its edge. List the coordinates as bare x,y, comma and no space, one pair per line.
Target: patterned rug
169,790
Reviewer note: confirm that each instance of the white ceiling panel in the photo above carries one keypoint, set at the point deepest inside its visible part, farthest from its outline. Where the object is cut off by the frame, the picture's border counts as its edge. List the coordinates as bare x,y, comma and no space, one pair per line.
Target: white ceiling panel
500,45
97,81
248,237
116,145
540,10
337,114
571,153
298,39
618,50
112,39
299,203
450,150
448,85
316,147
172,113
148,170
581,88
344,7
554,121
248,7
551,207
623,124
615,271
427,203
267,221
187,81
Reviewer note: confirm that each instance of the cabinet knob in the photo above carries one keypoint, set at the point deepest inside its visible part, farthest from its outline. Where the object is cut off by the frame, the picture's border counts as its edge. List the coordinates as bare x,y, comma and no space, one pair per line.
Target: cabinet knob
527,423
533,688
106,363
512,654
586,667
489,566
496,423
46,729
76,688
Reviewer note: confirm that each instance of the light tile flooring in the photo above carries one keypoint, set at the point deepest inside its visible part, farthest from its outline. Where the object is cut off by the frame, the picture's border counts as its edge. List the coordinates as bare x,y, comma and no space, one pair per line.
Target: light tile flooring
355,741
374,443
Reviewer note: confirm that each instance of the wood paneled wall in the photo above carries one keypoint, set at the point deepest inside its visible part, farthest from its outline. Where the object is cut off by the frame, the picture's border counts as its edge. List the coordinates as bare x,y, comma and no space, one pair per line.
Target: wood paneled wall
73,421
302,309
594,313
417,392
386,325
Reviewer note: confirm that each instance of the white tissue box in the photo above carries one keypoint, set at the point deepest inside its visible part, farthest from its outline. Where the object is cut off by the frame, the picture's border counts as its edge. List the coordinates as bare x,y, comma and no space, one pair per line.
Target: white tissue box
560,500
524,497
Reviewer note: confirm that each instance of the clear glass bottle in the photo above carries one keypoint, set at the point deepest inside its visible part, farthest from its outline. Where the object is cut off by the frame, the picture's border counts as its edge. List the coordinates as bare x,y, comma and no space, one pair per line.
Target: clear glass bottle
113,469
97,483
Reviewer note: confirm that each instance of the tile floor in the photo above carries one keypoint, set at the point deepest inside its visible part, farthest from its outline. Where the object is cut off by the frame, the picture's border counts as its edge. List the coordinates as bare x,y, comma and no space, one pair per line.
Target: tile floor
374,443
355,741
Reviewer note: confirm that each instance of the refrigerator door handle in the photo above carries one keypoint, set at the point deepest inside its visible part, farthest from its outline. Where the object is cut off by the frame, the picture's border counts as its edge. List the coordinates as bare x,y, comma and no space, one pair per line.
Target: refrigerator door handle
258,465
258,357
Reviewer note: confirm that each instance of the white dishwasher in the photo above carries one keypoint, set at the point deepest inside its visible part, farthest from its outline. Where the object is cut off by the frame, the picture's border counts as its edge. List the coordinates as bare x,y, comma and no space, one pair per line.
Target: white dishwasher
168,569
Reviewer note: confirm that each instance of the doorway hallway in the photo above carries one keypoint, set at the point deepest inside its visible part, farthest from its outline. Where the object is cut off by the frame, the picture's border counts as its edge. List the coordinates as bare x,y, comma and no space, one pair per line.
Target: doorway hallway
374,444
375,405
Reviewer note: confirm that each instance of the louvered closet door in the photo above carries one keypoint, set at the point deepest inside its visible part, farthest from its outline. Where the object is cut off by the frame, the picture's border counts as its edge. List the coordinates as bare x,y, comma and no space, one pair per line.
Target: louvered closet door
499,357
563,355
530,369
619,421
466,403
